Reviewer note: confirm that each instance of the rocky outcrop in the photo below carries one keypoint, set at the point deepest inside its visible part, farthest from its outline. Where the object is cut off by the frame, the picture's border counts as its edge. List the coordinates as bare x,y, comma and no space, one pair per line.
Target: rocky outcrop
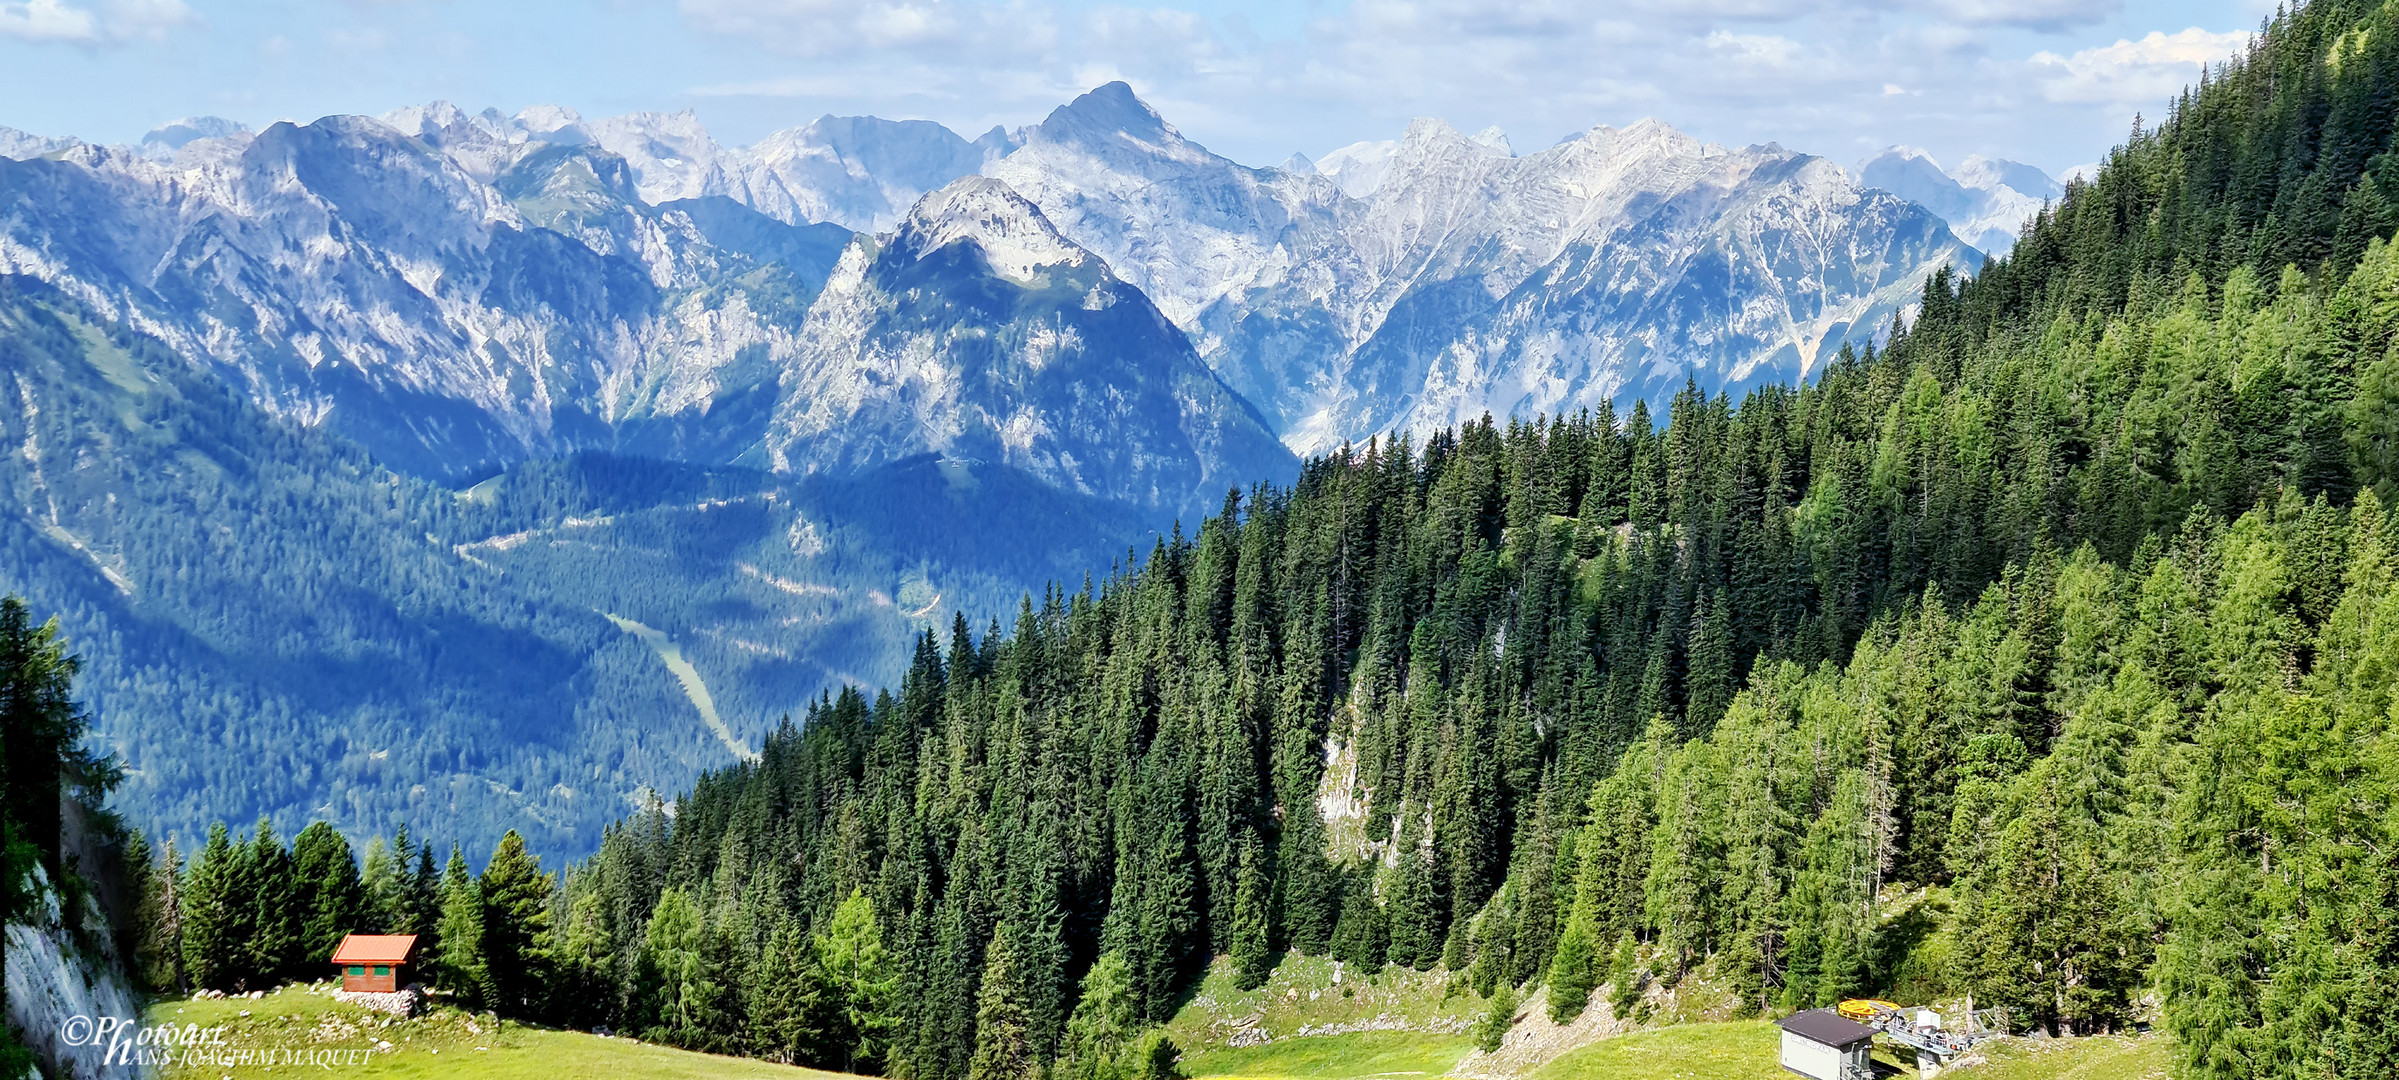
63,986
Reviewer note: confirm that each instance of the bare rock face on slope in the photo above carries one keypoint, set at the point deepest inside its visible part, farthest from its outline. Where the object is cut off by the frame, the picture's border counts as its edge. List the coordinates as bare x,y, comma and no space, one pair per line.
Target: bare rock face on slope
978,332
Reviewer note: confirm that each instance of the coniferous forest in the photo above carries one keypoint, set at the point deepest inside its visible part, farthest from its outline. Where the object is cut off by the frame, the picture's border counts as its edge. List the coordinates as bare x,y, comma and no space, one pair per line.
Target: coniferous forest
2076,602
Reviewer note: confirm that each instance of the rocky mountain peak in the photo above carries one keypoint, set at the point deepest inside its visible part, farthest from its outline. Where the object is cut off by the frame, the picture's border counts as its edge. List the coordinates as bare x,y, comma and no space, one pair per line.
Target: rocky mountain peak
1013,234
1110,123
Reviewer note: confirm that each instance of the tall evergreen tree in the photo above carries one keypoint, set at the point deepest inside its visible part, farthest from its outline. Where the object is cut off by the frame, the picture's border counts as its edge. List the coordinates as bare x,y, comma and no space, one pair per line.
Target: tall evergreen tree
330,899
1003,1043
460,968
515,943
213,928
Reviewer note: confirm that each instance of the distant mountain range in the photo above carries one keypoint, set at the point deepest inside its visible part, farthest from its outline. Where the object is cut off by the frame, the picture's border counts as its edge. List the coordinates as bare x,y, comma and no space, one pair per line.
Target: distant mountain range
1986,201
778,407
1468,280
1396,286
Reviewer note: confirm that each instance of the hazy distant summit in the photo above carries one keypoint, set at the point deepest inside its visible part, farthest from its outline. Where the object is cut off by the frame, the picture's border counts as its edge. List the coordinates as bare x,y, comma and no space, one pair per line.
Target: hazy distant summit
1986,201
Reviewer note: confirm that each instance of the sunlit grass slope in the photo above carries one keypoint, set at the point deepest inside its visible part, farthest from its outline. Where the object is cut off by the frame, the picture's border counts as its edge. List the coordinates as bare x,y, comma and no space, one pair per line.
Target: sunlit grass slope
444,1044
1743,1050
1336,1057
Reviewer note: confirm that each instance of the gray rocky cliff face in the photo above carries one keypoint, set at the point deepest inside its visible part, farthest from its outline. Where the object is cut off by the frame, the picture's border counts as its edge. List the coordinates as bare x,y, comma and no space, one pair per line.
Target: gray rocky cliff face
978,332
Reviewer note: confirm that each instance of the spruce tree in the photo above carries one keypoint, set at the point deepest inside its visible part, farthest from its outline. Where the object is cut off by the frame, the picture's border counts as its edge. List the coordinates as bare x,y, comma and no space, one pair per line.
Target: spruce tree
330,898
43,755
1415,920
212,926
1498,1017
1574,972
1254,955
1103,1024
1361,939
587,981
1003,1043
459,969
785,1000
1625,977
264,886
515,943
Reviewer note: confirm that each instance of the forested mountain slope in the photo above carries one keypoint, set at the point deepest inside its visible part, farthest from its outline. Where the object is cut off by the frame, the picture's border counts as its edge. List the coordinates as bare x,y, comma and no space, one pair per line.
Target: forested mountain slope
2076,605
273,623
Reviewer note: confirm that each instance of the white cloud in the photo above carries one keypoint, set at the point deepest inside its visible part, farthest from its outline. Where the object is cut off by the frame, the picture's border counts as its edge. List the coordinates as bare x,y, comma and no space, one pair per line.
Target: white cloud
1821,75
112,23
1756,50
48,20
2038,14
2143,74
835,27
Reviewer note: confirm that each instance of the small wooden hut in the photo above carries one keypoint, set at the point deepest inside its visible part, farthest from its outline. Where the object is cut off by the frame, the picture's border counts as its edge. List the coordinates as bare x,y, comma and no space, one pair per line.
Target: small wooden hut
375,963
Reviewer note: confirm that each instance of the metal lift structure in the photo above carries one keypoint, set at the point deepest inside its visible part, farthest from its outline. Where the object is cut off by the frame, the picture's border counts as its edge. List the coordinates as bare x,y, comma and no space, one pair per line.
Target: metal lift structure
1922,1030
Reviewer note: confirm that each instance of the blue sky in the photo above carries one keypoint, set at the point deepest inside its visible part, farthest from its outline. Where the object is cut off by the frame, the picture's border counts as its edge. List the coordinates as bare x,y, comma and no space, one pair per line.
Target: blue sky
2051,82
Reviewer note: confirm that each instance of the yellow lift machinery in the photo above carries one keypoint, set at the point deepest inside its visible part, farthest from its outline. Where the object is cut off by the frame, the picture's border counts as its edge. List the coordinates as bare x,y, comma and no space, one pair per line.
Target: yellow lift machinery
1922,1029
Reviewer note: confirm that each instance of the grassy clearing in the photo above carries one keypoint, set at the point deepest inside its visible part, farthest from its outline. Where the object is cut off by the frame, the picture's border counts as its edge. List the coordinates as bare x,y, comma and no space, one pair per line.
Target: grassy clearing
2098,1057
1335,1057
1743,1050
1310,996
444,1043
1747,1050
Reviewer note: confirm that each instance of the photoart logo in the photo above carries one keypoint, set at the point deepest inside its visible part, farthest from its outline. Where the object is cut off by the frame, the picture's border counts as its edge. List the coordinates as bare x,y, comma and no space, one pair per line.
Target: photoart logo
127,1043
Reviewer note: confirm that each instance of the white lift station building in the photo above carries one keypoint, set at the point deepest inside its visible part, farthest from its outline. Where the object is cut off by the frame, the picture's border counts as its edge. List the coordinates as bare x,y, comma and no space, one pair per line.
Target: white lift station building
1820,1043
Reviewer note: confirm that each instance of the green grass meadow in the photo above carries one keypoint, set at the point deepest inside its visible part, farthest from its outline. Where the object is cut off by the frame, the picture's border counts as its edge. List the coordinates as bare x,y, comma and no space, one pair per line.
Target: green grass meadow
448,1043
1743,1050
1336,1057
444,1043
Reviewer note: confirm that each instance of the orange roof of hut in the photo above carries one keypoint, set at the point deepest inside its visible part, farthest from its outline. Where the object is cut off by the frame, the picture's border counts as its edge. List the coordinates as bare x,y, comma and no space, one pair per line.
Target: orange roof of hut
374,963
375,949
